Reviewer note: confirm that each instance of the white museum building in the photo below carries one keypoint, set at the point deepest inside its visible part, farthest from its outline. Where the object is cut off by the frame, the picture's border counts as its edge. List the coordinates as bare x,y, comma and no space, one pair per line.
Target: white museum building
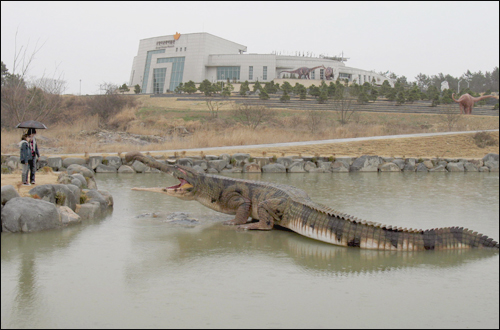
162,63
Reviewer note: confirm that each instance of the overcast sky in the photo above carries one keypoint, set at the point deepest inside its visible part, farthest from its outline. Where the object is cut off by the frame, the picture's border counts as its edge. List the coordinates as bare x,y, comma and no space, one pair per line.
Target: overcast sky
95,42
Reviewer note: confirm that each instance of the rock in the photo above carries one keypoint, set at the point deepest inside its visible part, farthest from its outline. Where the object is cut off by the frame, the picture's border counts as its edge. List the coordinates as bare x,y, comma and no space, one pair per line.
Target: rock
484,169
14,162
198,169
310,166
185,162
252,168
455,167
399,162
296,167
67,215
79,178
126,169
274,168
25,214
340,166
201,163
75,168
469,167
285,161
139,167
94,161
428,163
113,161
95,196
410,164
42,162
439,168
89,211
326,166
8,192
240,158
389,167
73,160
217,164
212,171
422,168
262,161
105,169
58,194
491,161
366,163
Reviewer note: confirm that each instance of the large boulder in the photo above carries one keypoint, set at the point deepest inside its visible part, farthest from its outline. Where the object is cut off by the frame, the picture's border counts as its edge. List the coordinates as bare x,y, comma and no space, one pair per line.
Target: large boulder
73,160
491,161
285,161
58,194
366,163
13,162
390,167
25,214
240,158
455,167
8,192
113,161
94,161
296,167
274,168
55,163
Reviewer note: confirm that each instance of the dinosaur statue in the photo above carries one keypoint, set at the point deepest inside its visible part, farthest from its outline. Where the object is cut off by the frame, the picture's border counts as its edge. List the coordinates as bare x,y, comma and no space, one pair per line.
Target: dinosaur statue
303,71
329,73
466,102
275,204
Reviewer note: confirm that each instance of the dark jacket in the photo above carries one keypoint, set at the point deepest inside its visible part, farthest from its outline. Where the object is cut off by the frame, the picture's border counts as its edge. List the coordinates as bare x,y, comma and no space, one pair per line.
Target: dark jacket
25,151
34,150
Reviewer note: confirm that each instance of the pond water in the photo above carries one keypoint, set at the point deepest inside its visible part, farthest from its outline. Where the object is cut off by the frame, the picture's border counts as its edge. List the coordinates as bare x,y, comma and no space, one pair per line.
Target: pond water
141,268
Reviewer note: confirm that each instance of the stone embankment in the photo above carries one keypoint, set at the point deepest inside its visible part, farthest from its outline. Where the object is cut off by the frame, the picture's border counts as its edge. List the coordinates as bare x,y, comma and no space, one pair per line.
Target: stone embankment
75,199
242,162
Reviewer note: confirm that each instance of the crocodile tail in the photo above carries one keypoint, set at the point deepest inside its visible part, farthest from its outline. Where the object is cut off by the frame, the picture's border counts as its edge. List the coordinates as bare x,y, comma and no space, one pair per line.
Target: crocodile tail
344,230
135,155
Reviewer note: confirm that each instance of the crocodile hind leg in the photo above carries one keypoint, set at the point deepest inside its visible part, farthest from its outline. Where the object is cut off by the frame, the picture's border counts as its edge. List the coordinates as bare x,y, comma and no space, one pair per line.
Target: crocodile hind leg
268,210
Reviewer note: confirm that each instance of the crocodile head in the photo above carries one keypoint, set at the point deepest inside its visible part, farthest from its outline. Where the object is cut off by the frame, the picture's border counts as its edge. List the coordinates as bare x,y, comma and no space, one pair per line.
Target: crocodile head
185,189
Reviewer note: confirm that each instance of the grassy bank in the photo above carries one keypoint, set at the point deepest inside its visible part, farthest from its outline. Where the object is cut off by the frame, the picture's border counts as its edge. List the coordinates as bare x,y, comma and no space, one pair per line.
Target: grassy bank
168,117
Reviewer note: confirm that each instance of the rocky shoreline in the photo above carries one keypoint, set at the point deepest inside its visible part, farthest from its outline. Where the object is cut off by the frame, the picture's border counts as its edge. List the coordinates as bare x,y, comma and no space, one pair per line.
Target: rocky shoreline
243,162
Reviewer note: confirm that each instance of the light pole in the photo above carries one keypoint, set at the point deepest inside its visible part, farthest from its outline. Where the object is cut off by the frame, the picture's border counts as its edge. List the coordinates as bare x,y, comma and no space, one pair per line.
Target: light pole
80,87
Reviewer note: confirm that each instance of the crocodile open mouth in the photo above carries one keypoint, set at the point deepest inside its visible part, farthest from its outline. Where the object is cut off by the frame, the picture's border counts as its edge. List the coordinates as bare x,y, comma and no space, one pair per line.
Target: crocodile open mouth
182,185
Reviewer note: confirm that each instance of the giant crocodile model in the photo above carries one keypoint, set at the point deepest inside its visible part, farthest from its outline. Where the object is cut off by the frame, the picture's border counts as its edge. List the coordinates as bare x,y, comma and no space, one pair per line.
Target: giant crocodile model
466,102
286,206
303,71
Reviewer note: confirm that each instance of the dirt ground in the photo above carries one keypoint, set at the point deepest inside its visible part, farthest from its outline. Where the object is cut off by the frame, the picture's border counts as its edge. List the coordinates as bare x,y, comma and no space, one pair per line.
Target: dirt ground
40,177
448,146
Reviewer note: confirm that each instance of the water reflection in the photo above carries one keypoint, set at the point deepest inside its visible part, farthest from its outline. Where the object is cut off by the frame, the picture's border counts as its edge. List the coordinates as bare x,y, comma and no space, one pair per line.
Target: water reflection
182,245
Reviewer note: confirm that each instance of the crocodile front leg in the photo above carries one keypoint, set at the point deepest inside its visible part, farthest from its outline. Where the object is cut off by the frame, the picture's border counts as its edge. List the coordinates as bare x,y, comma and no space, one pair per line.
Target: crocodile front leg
269,211
242,206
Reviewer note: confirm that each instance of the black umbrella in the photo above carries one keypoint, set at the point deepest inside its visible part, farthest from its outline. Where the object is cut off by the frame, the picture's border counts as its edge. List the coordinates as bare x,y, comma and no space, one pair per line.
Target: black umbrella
31,124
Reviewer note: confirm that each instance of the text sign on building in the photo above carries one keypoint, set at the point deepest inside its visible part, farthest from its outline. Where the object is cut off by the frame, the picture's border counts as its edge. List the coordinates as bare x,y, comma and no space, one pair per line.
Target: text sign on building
165,44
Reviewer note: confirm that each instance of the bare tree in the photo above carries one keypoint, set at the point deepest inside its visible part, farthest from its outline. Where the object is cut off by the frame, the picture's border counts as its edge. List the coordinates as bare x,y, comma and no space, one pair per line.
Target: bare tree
315,120
29,99
214,105
252,116
342,106
451,116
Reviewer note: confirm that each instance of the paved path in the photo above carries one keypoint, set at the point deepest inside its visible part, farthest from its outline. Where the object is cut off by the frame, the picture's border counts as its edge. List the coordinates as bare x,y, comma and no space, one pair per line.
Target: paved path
305,143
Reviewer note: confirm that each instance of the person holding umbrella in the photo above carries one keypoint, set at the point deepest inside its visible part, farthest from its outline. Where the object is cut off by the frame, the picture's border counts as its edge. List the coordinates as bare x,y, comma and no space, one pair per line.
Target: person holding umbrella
26,157
30,160
34,153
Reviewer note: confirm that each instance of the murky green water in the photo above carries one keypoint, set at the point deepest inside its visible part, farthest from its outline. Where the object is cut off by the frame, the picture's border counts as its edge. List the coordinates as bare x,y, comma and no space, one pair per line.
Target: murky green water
135,270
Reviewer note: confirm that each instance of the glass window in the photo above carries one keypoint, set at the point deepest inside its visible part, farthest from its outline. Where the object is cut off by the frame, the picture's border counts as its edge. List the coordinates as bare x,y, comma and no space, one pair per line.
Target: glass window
159,80
146,68
250,73
264,73
321,74
313,74
228,72
185,48
177,70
